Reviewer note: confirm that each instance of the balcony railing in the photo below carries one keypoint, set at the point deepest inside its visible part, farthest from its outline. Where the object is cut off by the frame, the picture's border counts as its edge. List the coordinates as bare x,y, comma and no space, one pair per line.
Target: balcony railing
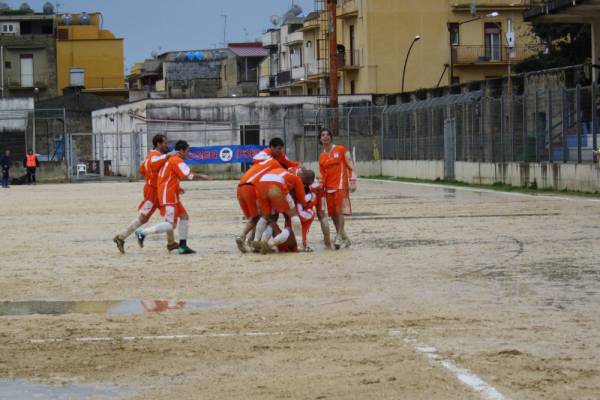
284,77
316,68
347,8
299,73
266,82
350,59
270,38
27,82
499,4
482,55
295,37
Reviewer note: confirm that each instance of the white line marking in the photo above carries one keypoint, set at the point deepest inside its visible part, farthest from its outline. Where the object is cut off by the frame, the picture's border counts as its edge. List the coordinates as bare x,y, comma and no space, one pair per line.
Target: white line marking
476,190
160,337
467,377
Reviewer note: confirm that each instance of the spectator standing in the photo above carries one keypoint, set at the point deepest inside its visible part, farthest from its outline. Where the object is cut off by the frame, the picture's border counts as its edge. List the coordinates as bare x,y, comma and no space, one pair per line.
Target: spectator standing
5,167
31,163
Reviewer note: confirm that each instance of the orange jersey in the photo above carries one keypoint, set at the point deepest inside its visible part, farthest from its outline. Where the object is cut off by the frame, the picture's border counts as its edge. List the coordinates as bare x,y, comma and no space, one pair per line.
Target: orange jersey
335,171
283,161
291,183
258,170
174,170
151,166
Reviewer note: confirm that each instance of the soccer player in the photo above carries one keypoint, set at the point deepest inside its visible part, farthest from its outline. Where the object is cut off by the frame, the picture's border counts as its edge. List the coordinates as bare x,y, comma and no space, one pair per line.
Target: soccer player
149,170
246,194
275,151
274,196
171,207
337,177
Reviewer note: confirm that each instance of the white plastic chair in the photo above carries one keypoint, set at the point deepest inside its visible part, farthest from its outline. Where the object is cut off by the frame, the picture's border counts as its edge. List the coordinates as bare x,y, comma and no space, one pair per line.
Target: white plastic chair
81,168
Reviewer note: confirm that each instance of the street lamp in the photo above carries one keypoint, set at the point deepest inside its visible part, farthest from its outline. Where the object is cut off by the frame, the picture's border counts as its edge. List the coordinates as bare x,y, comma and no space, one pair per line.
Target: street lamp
493,14
415,40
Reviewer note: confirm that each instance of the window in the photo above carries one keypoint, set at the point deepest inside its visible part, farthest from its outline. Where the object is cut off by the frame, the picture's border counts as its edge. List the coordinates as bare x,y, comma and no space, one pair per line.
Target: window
352,87
26,70
454,29
7,64
493,44
296,57
63,34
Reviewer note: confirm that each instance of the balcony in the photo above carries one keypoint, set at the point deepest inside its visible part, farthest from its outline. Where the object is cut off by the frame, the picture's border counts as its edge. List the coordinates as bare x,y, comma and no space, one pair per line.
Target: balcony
347,9
496,5
497,55
299,73
266,82
296,37
271,38
284,78
310,25
351,60
316,68
27,83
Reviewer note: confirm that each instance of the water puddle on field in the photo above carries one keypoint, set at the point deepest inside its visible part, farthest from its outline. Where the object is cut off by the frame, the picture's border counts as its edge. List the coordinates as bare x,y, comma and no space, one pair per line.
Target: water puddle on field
21,389
14,308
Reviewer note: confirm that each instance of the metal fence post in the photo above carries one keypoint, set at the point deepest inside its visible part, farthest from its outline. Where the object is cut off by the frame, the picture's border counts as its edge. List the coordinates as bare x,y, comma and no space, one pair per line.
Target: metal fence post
594,116
101,154
549,124
535,124
382,138
481,129
525,136
502,129
512,128
563,103
578,120
348,130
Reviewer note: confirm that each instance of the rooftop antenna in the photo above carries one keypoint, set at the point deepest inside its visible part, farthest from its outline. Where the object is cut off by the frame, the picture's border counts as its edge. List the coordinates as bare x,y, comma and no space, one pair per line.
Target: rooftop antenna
246,35
224,29
57,6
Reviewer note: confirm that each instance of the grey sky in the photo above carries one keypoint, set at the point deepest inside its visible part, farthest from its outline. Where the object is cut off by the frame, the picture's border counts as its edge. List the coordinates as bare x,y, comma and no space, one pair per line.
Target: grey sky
147,25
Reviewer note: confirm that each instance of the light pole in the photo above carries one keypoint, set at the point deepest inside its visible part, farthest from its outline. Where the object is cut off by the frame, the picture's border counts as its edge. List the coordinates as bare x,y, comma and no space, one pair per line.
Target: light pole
451,26
415,40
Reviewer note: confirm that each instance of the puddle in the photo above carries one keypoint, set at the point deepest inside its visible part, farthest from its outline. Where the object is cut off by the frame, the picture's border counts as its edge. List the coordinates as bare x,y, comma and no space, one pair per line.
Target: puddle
20,389
13,308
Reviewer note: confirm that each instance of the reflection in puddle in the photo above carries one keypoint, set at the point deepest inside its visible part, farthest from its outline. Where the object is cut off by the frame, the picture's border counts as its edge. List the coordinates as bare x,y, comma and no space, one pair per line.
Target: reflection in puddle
12,308
20,389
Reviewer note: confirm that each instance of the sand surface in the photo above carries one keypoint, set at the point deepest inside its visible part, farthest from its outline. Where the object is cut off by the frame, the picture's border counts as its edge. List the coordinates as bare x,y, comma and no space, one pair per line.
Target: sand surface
506,286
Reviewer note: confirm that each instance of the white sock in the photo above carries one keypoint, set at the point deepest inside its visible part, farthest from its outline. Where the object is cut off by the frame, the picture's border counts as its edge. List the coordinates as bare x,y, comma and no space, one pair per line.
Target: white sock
163,227
268,234
261,226
297,227
183,229
131,228
282,237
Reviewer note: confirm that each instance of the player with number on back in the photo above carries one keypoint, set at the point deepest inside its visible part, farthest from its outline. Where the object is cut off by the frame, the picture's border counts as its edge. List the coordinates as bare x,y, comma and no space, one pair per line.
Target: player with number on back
171,207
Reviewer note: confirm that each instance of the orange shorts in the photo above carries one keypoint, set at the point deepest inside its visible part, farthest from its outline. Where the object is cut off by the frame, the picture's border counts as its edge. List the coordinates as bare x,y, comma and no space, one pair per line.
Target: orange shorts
335,202
150,203
246,195
274,198
172,212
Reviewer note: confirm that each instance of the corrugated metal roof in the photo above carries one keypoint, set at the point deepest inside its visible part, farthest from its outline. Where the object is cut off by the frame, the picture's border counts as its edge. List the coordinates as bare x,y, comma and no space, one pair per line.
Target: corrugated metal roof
245,51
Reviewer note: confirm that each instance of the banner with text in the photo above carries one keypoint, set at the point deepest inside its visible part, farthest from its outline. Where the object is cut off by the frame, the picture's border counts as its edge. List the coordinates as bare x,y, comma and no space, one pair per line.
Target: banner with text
223,154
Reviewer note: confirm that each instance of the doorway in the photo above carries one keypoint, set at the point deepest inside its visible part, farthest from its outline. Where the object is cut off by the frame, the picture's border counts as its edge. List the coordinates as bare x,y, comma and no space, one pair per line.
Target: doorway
249,135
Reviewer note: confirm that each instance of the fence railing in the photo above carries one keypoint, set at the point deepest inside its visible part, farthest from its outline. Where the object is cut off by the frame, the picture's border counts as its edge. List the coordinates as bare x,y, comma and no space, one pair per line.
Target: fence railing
546,125
492,54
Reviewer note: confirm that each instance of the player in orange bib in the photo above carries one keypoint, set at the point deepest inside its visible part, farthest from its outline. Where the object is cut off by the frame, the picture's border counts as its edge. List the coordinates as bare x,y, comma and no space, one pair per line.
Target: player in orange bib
149,170
274,192
338,178
171,207
276,151
246,194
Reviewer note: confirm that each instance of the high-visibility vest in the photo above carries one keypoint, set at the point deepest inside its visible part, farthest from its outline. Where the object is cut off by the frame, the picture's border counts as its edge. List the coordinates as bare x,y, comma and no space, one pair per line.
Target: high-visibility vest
31,163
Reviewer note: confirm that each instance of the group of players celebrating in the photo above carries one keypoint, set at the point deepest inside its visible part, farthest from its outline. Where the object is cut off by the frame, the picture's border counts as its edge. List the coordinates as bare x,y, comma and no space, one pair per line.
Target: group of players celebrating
272,186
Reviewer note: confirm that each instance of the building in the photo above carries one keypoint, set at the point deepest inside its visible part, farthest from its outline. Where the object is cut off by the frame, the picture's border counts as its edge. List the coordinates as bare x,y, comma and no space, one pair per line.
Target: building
226,72
451,43
89,56
27,54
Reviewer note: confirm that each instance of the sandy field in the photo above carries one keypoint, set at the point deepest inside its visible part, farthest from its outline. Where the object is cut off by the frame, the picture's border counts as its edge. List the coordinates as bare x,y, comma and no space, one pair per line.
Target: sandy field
445,294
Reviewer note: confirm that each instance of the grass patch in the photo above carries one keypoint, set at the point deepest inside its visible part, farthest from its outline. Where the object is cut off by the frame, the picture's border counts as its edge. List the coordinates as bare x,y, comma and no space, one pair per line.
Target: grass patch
499,186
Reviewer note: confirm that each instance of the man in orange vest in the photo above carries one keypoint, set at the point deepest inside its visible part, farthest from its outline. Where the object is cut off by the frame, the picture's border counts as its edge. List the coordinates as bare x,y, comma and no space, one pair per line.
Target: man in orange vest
31,163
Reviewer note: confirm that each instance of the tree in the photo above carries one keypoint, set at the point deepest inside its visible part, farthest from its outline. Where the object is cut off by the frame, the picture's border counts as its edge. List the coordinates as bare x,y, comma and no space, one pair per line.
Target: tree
567,44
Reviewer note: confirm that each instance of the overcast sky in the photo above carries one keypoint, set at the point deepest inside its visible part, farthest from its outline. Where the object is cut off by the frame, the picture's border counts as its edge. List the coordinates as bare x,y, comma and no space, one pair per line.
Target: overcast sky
153,25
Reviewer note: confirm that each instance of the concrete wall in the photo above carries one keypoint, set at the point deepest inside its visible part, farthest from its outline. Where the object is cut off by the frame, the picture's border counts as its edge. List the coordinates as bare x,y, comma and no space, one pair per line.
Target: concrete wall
52,172
558,176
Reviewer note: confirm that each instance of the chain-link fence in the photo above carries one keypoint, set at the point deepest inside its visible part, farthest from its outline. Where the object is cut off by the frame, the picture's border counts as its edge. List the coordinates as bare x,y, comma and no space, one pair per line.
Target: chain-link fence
546,125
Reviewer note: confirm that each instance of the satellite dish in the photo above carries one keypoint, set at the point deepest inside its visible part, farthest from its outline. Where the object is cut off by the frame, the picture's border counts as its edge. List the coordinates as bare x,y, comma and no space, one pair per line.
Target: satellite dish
84,18
67,19
48,8
275,20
